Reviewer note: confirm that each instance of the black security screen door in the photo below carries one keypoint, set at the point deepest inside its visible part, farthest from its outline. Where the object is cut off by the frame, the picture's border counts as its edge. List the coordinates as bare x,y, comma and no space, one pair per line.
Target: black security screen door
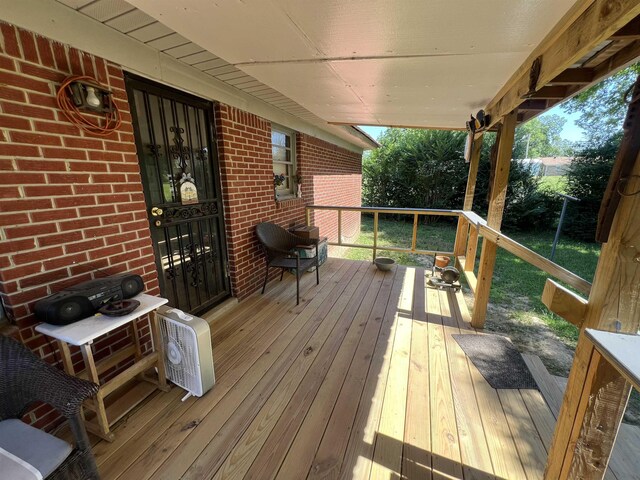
176,150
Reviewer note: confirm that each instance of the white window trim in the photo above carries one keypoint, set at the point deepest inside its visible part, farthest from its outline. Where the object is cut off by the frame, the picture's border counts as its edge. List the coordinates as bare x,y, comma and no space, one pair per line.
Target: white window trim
291,194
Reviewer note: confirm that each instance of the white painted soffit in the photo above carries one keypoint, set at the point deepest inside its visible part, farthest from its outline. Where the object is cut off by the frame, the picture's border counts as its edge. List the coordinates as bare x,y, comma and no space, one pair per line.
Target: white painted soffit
366,62
116,30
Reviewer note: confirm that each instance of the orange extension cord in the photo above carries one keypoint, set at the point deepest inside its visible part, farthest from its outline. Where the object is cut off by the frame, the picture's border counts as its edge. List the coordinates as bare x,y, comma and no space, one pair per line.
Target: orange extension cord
112,120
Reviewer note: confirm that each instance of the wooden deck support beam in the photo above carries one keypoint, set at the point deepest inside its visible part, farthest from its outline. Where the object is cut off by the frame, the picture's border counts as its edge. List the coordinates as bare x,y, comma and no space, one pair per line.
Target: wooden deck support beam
494,216
597,394
584,27
463,224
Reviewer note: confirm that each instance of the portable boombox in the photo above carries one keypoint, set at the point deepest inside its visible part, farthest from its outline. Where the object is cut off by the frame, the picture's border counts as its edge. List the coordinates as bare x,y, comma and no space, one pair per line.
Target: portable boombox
85,299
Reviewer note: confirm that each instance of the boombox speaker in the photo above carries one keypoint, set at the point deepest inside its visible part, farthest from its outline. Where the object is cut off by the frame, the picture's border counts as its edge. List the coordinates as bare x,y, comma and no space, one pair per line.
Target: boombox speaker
85,299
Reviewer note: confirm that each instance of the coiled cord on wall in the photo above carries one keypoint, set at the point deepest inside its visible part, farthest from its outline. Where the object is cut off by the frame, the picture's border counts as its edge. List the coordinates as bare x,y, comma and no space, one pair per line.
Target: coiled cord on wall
112,120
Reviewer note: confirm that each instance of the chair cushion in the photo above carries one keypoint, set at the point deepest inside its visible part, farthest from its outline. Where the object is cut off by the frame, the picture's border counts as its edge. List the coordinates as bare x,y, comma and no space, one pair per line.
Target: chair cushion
283,262
35,447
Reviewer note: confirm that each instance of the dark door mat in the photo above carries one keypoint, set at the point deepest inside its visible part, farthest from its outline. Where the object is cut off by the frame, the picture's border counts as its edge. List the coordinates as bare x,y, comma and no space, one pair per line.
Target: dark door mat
498,360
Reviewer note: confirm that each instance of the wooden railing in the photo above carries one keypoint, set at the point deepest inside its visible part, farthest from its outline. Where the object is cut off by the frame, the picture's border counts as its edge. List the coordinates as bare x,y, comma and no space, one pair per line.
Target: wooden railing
376,211
475,226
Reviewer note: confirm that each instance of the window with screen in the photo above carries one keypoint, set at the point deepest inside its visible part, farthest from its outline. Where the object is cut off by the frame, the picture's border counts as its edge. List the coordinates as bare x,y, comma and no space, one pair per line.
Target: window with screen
283,150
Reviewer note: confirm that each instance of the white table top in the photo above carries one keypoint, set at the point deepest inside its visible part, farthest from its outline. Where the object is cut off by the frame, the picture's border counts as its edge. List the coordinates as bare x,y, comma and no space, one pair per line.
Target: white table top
621,350
85,331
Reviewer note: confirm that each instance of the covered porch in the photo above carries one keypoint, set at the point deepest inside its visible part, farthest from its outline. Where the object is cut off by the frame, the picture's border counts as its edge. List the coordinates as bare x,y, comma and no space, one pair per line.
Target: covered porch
361,380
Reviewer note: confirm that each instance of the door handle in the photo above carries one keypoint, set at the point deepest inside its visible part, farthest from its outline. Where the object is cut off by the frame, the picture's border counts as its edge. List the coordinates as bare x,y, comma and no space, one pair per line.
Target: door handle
156,212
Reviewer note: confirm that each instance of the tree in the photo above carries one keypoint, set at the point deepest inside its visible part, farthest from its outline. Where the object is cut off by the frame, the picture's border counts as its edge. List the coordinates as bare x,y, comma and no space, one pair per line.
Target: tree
426,169
540,137
602,107
587,180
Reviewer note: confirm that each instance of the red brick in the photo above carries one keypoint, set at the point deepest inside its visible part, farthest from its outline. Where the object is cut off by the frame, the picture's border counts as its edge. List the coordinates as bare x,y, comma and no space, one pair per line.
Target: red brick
105,252
120,219
101,210
41,165
44,278
66,261
44,49
42,100
91,189
48,191
75,63
71,178
43,73
28,295
30,230
66,153
105,156
83,246
74,201
120,147
89,143
79,224
60,239
19,272
28,111
109,178
6,164
28,45
10,39
37,255
13,219
17,123
88,166
124,167
24,205
9,192
35,138
13,94
23,178
10,149
60,55
57,214
24,82
104,232
60,128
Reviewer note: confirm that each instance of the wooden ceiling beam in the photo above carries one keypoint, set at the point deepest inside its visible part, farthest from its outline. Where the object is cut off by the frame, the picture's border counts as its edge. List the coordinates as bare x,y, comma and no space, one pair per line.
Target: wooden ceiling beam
584,27
551,92
534,104
574,76
631,31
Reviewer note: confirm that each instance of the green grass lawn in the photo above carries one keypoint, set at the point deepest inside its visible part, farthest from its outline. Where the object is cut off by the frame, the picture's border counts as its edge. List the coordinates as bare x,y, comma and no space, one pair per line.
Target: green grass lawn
513,278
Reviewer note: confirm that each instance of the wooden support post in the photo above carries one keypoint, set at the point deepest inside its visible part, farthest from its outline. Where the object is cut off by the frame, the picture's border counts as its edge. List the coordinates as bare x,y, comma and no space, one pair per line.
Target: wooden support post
497,198
339,227
375,235
463,225
597,395
472,248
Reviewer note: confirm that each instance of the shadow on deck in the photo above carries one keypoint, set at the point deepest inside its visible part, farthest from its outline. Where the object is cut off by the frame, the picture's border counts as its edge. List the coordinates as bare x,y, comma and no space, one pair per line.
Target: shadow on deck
361,380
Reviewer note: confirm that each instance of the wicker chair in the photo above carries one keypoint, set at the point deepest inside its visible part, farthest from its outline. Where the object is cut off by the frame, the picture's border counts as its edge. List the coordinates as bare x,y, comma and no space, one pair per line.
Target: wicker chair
25,379
281,251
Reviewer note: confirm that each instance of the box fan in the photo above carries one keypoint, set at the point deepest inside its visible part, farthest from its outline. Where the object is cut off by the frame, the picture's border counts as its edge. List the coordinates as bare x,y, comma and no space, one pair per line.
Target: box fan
187,347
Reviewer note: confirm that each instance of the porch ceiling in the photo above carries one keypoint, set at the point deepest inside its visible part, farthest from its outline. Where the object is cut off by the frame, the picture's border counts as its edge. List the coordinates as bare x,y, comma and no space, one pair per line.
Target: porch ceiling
361,62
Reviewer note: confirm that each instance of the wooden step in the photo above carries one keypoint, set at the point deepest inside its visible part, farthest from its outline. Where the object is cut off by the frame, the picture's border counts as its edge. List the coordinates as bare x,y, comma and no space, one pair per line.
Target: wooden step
625,459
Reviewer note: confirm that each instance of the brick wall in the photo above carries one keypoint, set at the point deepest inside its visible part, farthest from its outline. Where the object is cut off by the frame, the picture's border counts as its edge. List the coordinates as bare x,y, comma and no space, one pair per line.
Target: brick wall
70,203
246,164
331,176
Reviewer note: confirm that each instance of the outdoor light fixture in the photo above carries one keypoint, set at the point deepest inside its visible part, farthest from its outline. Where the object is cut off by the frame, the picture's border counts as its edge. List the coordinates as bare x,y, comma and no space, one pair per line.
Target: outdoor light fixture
90,96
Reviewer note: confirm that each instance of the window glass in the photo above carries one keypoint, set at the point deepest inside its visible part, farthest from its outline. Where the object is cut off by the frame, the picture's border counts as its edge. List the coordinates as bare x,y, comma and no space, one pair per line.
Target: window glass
284,161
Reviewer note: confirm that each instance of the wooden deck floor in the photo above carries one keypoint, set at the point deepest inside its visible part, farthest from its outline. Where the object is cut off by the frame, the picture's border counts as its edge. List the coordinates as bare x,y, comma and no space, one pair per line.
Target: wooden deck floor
361,380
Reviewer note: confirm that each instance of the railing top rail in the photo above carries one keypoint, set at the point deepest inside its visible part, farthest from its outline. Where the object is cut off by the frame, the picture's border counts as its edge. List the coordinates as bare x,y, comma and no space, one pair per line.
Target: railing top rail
406,211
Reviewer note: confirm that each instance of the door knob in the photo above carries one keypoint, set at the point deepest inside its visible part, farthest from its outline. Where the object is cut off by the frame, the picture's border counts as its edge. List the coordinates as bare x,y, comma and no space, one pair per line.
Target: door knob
156,212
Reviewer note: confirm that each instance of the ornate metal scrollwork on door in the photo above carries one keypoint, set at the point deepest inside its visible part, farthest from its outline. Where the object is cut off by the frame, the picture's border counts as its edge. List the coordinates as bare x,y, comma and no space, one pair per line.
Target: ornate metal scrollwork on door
179,153
184,213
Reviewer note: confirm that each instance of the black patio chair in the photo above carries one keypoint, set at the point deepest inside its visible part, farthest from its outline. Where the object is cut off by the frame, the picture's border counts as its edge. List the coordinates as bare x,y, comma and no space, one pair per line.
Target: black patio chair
281,249
26,379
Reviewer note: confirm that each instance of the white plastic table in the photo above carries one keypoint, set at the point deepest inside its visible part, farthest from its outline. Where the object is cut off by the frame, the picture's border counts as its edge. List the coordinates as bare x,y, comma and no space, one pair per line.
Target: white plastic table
84,332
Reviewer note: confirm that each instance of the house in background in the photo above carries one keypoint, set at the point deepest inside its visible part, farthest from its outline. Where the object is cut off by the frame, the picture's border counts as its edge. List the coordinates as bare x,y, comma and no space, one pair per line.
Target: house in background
548,166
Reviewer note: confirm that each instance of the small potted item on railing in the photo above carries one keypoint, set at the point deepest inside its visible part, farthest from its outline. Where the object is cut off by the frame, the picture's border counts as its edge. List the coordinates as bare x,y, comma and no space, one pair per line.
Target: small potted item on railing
442,261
